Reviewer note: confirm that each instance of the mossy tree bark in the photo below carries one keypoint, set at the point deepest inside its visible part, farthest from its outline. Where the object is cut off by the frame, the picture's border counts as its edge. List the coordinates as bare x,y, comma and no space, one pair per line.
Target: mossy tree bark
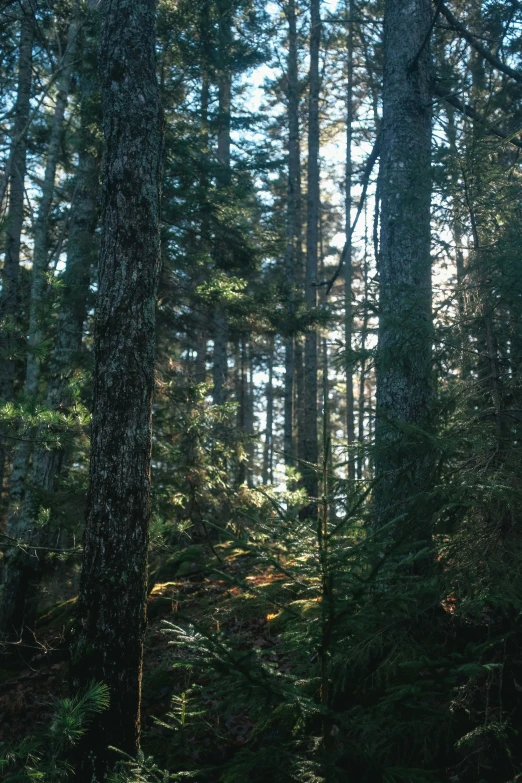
111,602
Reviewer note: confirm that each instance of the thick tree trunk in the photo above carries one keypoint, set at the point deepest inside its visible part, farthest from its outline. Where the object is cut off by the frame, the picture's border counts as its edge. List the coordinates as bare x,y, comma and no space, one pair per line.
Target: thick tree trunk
111,603
23,571
348,316
293,256
310,454
404,358
15,214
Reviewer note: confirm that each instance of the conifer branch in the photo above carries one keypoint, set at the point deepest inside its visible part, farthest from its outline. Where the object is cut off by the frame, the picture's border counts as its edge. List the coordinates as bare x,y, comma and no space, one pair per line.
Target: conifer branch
485,53
469,111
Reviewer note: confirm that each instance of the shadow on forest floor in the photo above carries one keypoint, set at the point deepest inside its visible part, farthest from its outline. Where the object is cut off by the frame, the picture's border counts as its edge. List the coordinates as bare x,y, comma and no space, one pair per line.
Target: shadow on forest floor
235,596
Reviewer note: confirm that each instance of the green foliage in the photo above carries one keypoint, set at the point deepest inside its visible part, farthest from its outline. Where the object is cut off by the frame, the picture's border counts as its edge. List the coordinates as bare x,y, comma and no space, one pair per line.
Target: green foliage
46,758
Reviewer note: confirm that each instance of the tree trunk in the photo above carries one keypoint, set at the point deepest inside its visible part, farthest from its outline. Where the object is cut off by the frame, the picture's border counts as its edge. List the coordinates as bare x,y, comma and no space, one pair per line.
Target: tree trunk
245,418
488,365
23,571
458,239
310,454
299,394
220,364
15,214
110,620
220,361
200,373
268,450
348,316
293,259
404,357
250,417
364,334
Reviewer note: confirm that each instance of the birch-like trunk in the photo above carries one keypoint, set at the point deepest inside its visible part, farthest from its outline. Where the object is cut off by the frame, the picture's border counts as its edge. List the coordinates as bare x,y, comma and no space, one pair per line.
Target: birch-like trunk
110,621
404,357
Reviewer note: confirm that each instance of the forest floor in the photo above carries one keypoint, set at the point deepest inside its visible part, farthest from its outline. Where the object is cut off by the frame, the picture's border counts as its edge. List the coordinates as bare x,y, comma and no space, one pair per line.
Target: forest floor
224,590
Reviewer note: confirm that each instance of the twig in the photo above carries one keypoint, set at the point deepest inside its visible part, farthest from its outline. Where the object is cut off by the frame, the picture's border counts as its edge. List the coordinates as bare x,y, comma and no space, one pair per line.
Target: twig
368,168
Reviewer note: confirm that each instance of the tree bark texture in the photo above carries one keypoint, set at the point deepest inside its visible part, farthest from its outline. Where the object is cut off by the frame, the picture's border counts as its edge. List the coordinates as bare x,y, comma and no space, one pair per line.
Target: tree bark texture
404,358
293,255
310,454
220,362
348,315
111,602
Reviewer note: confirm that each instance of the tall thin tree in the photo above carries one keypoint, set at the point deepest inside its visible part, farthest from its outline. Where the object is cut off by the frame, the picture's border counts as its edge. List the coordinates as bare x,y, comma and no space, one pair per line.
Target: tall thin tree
310,451
348,315
404,358
15,210
293,254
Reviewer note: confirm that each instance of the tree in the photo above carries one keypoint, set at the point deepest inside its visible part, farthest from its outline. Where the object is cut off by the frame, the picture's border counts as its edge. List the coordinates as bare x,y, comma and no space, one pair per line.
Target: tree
293,254
404,358
348,318
111,603
310,446
15,177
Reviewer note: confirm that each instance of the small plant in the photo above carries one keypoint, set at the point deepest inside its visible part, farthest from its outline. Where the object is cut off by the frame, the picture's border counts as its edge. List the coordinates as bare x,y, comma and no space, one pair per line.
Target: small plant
46,758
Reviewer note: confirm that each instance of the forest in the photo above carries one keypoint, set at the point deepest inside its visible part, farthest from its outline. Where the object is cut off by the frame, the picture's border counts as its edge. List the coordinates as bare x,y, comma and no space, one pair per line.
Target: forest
261,391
